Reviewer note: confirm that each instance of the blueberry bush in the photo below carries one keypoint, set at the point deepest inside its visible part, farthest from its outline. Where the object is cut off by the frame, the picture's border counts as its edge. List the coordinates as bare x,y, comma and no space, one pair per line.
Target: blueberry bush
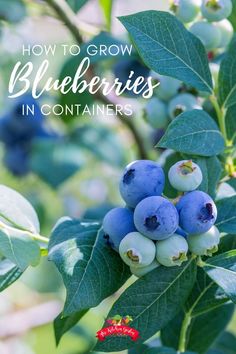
166,257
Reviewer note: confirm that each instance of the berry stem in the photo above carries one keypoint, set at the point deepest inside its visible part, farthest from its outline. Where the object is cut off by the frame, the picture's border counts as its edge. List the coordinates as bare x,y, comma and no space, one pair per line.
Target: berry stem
220,111
68,17
221,117
200,262
44,252
183,332
40,238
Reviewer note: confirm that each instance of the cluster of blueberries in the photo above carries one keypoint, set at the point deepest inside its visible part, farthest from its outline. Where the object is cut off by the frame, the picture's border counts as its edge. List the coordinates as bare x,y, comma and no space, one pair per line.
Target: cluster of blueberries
208,20
17,133
152,230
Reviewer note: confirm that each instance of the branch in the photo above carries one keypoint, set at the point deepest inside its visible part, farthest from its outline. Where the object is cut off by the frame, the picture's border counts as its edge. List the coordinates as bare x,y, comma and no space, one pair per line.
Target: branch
67,16
64,12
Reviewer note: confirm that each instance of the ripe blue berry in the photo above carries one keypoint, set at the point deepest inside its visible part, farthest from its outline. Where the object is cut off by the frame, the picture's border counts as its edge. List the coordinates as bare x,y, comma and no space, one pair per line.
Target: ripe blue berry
140,272
226,31
216,10
137,250
182,103
16,159
168,87
117,223
172,251
186,10
156,113
18,128
156,218
141,179
197,212
185,176
208,33
205,244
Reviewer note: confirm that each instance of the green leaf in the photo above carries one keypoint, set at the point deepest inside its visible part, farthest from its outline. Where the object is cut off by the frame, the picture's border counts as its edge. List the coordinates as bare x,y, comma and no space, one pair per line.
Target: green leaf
211,170
171,332
162,350
226,219
227,243
226,344
222,270
17,211
205,296
230,123
152,301
138,349
19,248
203,330
9,273
168,48
206,328
232,183
64,324
55,162
76,5
232,17
102,142
193,132
227,77
12,11
106,6
90,269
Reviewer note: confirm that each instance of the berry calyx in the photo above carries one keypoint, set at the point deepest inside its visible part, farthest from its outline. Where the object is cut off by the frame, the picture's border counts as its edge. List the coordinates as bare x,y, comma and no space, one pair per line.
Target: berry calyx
213,4
216,10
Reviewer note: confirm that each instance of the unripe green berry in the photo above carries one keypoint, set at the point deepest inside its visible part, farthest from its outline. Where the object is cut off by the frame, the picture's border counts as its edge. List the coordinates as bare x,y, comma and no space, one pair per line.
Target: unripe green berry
208,33
226,31
168,87
156,113
205,244
137,250
216,10
185,176
172,251
185,10
182,103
